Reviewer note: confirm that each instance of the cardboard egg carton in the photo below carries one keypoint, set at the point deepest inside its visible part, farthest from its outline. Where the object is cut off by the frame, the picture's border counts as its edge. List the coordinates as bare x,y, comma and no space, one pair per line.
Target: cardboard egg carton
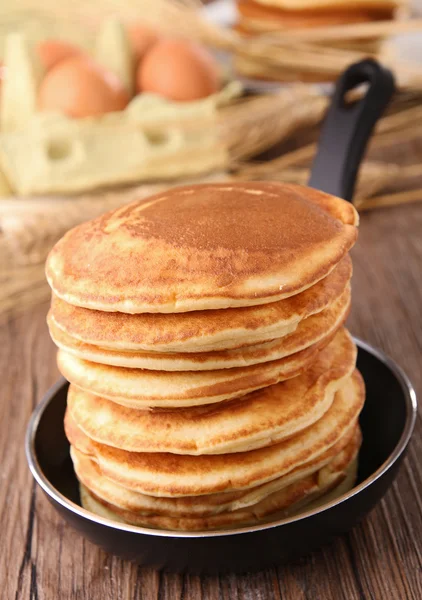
65,155
152,139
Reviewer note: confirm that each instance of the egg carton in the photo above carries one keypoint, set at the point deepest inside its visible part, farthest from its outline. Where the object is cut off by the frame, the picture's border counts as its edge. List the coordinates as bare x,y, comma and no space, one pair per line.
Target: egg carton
64,155
151,139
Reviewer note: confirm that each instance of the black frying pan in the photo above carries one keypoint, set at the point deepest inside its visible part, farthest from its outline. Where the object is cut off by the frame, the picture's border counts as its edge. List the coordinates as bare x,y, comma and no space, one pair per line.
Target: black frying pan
387,419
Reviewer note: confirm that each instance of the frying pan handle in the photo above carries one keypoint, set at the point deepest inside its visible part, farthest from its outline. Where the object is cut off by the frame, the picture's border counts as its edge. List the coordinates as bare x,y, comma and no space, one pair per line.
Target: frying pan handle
348,126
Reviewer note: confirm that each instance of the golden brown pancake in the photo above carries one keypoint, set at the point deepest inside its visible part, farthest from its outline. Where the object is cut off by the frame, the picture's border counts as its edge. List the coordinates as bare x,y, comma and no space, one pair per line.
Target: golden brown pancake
309,331
172,475
201,247
89,474
258,16
325,5
259,419
278,504
139,388
200,331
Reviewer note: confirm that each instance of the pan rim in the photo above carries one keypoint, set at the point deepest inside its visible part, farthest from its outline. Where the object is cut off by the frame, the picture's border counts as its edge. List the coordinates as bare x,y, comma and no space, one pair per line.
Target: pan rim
35,468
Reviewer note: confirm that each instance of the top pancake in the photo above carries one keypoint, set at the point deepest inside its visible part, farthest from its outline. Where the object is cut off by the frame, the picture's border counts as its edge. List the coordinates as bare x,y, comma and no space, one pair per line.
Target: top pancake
321,5
203,247
275,18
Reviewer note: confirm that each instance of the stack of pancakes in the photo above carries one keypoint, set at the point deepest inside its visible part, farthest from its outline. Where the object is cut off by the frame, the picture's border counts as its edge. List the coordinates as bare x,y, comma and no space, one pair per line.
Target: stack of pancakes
213,383
257,17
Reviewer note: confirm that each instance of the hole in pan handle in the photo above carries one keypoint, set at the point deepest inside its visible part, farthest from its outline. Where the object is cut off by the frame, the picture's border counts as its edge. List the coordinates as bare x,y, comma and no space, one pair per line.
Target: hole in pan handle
348,126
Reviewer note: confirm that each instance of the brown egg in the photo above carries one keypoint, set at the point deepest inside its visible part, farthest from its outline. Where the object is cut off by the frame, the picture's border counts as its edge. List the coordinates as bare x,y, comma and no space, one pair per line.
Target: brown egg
79,87
52,52
178,70
141,38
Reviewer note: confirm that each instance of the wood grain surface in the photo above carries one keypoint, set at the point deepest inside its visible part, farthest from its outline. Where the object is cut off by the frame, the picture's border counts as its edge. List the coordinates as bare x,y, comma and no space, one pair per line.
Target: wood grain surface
41,558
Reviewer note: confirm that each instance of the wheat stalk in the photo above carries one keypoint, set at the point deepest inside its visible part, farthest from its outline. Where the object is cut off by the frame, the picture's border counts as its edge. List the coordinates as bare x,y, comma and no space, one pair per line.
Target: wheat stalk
352,31
373,176
395,199
259,124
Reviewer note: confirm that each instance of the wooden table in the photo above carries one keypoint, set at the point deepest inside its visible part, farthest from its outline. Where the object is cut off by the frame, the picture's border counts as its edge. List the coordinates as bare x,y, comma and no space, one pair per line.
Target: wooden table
41,558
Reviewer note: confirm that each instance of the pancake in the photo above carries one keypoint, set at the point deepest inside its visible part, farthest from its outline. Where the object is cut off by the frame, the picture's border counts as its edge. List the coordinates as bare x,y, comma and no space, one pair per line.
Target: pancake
285,501
207,246
199,331
89,474
257,16
172,475
310,331
259,419
347,484
139,388
321,5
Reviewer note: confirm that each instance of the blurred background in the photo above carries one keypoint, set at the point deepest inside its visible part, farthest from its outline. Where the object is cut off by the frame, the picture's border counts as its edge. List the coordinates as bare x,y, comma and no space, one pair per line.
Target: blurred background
104,102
